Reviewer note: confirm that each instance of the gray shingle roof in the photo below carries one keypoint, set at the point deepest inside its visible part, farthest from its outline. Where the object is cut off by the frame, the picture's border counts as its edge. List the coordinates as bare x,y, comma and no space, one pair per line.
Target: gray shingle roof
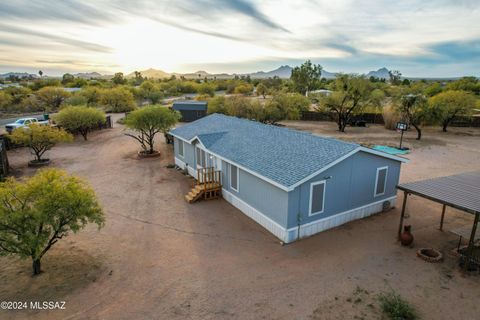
283,155
190,105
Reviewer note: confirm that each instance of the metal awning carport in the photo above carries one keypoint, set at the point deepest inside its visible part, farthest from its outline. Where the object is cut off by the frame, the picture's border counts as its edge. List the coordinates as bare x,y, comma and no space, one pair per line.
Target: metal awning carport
461,191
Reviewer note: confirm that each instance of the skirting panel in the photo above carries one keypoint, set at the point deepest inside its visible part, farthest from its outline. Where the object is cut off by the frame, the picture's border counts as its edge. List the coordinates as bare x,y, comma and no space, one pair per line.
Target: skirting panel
314,227
256,215
181,164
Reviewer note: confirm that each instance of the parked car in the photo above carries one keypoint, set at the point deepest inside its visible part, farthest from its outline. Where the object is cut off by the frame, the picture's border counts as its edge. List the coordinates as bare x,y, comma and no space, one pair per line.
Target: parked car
24,122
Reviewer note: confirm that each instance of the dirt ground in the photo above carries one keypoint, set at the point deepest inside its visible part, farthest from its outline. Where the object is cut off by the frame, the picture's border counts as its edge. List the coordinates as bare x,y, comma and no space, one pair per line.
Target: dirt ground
159,257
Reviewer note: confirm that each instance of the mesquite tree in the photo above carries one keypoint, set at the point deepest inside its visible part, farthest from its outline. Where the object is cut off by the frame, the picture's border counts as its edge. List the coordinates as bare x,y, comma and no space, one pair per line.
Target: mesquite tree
447,105
80,119
351,94
147,122
36,213
40,138
414,109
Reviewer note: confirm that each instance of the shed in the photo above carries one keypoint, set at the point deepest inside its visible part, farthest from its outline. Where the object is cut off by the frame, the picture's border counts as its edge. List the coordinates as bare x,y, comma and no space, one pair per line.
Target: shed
191,110
293,183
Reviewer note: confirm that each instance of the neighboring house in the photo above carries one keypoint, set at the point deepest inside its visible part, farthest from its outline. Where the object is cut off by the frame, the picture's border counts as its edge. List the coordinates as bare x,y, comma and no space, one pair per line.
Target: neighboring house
293,183
191,110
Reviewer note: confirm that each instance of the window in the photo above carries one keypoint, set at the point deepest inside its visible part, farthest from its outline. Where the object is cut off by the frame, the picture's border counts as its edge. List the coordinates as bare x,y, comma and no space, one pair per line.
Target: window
317,197
234,177
200,158
381,181
180,148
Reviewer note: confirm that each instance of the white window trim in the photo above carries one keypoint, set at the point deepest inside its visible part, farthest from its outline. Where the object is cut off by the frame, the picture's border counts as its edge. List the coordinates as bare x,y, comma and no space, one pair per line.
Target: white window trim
182,155
230,178
310,213
375,194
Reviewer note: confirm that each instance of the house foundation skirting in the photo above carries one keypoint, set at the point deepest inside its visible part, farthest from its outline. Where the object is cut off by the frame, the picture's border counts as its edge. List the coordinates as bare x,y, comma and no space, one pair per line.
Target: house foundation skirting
181,164
338,219
308,229
272,226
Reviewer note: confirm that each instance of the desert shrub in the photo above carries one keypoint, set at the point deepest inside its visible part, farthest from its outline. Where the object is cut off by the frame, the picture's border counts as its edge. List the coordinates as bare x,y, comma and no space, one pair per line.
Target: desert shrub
149,121
79,119
40,138
244,88
395,307
390,117
117,100
76,100
51,98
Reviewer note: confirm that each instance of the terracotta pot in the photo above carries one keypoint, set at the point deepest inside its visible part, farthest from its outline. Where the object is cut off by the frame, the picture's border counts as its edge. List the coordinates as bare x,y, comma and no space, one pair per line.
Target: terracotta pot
406,238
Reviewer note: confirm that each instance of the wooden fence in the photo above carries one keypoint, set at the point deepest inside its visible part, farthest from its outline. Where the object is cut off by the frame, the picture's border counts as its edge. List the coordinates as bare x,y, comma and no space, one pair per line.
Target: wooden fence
4,167
375,118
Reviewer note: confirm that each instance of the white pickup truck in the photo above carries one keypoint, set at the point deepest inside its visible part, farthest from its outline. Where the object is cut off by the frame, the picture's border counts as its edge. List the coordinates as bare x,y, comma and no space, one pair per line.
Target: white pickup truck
24,122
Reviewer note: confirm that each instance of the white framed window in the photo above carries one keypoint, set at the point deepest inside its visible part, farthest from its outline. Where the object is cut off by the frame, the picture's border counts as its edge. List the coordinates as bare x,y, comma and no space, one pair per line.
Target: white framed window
234,177
317,197
381,181
180,148
200,158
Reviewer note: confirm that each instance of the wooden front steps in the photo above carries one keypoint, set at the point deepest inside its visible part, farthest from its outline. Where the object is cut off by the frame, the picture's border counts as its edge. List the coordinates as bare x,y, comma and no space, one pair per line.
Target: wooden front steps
207,186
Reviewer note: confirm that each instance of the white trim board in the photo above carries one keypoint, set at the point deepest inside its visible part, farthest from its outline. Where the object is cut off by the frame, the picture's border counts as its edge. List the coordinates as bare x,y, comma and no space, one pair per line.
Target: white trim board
375,194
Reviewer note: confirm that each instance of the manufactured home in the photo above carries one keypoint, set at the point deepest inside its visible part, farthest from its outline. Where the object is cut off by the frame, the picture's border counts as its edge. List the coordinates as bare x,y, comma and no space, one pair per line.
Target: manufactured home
190,110
293,183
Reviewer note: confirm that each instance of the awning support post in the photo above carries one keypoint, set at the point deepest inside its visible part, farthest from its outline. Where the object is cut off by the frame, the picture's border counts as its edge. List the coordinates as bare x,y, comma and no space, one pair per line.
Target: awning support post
471,242
402,215
443,216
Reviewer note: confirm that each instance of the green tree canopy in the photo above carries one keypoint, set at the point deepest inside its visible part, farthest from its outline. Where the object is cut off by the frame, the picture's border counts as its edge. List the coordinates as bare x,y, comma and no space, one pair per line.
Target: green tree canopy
51,98
38,212
351,95
118,78
306,77
117,100
414,109
79,119
261,90
147,122
40,138
447,105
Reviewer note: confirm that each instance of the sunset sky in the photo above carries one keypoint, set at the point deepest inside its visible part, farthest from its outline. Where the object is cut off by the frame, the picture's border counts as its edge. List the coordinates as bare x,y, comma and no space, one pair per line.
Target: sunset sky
425,38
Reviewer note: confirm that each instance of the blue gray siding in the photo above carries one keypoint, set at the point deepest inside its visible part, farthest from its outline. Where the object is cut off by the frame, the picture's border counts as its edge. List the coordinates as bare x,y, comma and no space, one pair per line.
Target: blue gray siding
261,195
351,185
188,151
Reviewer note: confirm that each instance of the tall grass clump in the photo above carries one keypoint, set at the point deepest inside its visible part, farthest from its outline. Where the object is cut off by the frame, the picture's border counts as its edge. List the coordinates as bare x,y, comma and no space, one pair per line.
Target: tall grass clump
390,117
395,307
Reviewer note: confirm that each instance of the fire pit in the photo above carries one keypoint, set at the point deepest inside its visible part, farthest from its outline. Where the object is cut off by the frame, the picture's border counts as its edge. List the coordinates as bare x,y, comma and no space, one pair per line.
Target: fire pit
430,255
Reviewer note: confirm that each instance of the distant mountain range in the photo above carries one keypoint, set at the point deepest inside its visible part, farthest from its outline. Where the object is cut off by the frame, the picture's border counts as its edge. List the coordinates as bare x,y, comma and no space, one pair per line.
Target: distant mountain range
283,72
20,75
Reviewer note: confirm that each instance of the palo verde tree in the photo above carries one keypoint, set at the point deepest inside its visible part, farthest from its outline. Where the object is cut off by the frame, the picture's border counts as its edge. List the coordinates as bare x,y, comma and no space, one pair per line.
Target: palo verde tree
118,99
51,98
261,90
447,105
147,122
40,139
414,109
306,77
36,213
79,119
351,94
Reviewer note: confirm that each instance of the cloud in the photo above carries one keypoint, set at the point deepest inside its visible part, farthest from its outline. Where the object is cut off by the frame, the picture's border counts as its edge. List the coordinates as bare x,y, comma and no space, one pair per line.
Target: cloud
18,31
65,10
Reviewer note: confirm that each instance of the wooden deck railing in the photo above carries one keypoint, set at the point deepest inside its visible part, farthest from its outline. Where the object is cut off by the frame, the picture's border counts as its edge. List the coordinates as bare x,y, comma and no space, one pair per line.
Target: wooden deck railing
209,177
